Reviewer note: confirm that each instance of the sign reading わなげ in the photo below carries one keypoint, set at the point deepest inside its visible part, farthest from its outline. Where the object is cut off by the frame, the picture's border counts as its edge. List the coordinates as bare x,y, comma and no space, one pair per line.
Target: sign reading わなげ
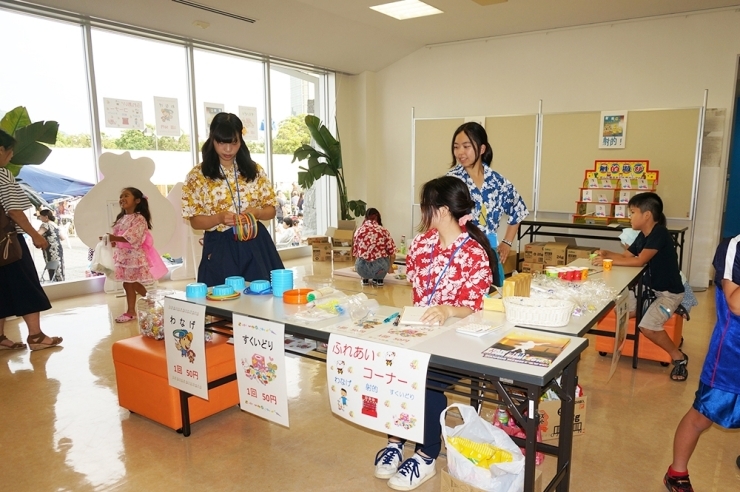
184,339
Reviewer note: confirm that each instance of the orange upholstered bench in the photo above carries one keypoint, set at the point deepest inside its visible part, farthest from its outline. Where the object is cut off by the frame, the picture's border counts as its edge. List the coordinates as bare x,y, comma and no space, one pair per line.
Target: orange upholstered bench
141,375
648,350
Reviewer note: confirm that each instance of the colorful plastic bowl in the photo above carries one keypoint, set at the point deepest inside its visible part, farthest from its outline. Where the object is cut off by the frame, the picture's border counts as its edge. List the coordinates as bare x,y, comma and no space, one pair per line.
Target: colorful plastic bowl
196,290
222,291
237,283
259,286
296,296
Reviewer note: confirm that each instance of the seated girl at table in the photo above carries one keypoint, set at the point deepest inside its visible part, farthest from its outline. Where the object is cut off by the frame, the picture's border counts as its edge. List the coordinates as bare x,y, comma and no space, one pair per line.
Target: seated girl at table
451,267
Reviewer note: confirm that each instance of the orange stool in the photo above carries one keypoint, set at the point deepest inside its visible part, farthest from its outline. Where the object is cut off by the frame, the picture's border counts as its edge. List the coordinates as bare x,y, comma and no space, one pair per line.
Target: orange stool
648,350
141,375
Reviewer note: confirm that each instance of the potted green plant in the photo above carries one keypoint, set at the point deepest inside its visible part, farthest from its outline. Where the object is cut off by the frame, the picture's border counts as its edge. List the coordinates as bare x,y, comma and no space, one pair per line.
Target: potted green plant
326,163
29,147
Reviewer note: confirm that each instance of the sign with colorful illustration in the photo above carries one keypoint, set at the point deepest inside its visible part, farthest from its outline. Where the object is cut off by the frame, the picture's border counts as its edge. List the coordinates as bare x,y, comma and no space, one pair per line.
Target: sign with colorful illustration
184,339
248,115
122,113
167,116
377,386
613,129
259,353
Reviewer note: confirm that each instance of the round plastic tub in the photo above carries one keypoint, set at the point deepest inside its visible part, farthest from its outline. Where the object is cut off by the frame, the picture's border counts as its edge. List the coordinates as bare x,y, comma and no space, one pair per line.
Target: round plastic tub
296,296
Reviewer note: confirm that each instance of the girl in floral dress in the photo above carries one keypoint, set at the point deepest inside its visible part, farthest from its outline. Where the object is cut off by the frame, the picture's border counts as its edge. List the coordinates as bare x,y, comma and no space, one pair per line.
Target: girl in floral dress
374,249
133,248
222,195
451,267
51,231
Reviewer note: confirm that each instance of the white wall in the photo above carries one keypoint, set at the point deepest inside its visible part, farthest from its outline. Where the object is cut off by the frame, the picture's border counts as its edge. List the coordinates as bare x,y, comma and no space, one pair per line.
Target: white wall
660,63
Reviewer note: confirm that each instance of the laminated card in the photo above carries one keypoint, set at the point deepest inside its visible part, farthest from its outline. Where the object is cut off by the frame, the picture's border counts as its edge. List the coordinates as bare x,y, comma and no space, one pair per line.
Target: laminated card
259,354
377,386
184,339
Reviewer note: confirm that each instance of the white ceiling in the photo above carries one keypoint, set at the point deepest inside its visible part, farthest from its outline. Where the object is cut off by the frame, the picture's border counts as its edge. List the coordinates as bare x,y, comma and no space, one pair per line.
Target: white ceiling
348,36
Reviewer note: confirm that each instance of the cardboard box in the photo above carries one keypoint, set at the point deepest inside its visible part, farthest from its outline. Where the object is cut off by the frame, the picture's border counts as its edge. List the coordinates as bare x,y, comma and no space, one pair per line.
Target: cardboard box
452,484
342,237
321,251
510,263
344,254
576,252
550,418
529,267
555,254
535,252
317,239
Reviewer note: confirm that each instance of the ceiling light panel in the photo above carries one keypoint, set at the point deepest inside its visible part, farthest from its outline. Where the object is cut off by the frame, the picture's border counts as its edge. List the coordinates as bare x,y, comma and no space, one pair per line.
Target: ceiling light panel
406,9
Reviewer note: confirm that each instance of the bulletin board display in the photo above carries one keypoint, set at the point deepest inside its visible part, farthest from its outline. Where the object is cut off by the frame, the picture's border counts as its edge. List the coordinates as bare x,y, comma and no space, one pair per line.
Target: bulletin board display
666,138
432,149
512,138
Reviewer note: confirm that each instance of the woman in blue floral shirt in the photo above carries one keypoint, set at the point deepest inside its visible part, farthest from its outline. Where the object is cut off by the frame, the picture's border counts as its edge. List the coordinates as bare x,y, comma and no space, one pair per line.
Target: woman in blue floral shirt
492,193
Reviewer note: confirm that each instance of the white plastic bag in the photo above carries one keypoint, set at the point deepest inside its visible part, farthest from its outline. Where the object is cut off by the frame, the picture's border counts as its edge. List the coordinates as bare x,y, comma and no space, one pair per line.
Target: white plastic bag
500,477
102,260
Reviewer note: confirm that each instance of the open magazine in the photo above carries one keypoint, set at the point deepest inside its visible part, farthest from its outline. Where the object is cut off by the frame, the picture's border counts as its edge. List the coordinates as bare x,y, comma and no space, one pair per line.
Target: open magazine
528,347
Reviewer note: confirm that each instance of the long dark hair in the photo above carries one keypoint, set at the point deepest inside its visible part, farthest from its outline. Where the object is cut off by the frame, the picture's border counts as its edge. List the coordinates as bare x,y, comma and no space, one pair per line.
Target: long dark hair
225,128
373,214
478,137
453,193
48,214
649,202
141,208
7,141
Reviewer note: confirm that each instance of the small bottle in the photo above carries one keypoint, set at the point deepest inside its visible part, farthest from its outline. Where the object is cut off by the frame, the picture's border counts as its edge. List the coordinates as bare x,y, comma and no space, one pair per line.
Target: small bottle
502,415
402,245
319,293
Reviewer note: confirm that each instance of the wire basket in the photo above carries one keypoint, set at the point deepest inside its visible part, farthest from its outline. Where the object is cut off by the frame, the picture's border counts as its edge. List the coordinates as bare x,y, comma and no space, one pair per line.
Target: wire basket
537,312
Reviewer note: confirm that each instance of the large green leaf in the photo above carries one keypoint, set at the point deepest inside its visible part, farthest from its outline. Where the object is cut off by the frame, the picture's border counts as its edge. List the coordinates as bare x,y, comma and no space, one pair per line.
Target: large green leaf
14,119
27,149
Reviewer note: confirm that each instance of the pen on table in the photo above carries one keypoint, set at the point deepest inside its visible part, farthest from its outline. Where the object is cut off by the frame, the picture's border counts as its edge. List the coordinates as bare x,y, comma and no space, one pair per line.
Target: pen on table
391,317
396,321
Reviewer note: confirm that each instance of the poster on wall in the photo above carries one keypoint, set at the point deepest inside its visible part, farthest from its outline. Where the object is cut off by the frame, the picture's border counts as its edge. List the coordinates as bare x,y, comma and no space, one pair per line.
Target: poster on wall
248,115
377,386
121,113
259,353
211,110
167,116
185,348
613,129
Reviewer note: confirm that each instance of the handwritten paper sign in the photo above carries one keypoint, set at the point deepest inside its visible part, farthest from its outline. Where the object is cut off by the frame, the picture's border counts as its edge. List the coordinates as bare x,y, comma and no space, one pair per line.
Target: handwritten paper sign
377,386
167,116
185,349
248,115
122,113
259,353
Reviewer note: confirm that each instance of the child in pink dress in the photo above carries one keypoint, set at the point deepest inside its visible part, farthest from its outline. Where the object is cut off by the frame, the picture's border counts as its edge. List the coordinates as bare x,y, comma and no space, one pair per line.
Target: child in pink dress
136,261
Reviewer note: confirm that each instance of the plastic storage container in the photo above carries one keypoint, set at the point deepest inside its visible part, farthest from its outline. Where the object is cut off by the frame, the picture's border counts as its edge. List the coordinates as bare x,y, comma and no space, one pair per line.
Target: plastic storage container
150,313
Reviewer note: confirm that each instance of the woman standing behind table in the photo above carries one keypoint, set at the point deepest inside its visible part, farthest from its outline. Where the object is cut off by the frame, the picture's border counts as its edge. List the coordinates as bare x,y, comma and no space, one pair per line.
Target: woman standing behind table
450,266
374,249
50,230
492,193
21,293
226,189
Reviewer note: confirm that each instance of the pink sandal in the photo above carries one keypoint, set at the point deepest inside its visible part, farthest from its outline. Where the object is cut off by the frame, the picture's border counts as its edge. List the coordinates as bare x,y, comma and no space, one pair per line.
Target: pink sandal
125,318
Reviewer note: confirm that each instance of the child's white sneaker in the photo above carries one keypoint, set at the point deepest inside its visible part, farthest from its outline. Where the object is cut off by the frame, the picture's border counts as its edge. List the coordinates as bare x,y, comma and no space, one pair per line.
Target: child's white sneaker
388,459
412,473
